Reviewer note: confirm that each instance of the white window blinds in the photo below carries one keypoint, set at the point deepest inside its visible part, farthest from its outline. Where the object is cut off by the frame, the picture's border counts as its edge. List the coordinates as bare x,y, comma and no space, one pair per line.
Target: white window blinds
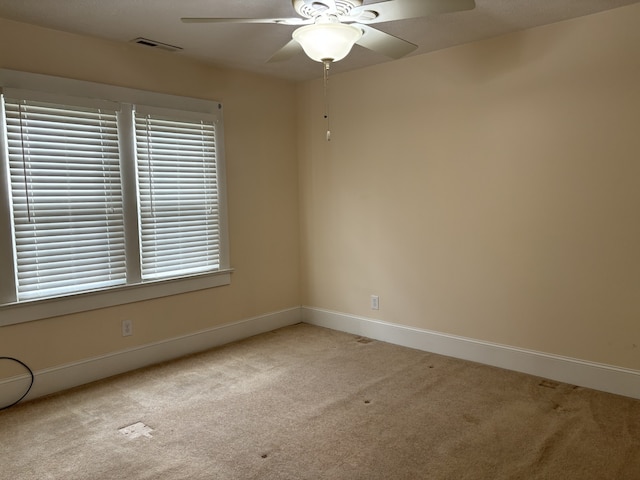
67,197
178,194
108,196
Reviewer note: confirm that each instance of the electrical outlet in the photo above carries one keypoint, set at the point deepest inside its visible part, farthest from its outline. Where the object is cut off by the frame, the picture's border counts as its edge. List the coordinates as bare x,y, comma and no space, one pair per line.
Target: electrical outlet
375,302
127,328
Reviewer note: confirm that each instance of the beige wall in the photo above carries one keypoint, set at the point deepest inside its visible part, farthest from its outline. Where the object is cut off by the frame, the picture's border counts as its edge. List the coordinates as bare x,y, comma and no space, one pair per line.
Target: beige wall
262,195
489,190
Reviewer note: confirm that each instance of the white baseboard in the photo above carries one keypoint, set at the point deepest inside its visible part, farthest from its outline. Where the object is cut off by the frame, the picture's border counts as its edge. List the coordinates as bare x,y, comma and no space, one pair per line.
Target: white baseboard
602,377
62,377
593,375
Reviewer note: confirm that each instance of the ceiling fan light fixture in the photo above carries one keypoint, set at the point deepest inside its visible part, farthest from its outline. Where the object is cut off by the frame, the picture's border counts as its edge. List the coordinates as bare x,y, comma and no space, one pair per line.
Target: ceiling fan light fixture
327,39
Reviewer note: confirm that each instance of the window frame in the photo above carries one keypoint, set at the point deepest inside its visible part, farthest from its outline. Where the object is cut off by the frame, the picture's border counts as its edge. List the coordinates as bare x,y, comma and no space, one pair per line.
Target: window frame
153,189
24,311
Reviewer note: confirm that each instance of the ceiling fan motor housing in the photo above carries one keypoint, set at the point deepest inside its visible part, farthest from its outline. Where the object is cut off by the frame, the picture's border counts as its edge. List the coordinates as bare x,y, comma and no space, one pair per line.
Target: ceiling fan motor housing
313,8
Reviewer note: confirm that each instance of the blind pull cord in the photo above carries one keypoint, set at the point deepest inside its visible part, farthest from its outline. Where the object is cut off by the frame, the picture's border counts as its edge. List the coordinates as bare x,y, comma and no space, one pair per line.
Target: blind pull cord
147,122
203,151
108,192
24,163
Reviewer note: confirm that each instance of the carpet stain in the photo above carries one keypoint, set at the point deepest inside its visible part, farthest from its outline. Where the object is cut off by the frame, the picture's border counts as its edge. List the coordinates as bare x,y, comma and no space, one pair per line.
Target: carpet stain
548,384
471,419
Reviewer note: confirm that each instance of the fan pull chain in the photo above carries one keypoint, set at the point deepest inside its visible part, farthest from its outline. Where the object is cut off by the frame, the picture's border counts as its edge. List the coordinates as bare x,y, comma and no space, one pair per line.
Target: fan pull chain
326,66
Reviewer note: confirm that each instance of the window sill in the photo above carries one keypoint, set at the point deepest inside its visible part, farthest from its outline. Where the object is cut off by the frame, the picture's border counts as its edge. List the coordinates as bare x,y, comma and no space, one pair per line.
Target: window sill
53,307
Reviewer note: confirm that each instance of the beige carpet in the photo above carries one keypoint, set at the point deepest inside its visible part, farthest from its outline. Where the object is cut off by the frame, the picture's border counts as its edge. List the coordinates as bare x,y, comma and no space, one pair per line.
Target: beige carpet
309,403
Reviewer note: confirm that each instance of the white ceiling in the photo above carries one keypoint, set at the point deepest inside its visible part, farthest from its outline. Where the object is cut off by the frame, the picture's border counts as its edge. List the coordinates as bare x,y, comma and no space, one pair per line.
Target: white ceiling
247,47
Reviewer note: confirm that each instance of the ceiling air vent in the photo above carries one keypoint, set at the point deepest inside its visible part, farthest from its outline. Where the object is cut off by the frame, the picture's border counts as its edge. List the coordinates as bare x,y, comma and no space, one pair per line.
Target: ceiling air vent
159,45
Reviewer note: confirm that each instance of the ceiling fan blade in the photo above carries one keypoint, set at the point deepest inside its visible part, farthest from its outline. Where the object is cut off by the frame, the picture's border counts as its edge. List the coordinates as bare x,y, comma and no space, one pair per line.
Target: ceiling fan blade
382,42
282,21
285,53
392,10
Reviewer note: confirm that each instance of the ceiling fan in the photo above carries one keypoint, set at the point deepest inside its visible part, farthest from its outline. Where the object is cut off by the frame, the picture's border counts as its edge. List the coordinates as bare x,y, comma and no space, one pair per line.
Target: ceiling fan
328,29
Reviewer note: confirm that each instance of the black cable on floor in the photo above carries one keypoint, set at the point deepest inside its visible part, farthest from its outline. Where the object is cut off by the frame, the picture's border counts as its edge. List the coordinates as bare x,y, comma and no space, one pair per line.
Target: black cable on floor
30,384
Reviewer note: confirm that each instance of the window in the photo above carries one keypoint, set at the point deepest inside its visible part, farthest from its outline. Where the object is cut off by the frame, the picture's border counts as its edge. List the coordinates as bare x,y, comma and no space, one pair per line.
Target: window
177,182
66,196
105,201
